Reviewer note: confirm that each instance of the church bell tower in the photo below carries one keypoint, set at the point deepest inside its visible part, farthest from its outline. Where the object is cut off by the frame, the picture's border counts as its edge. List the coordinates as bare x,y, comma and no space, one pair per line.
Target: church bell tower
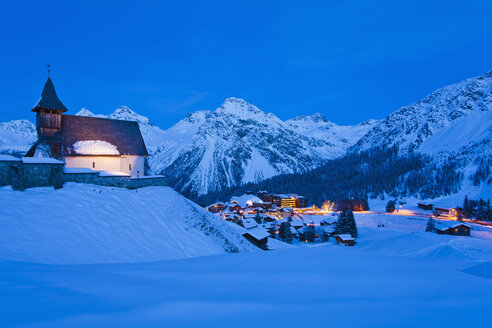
49,111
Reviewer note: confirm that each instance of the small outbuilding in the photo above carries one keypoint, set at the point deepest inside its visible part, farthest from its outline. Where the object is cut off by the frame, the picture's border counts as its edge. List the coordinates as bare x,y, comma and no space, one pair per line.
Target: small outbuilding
453,228
345,239
258,236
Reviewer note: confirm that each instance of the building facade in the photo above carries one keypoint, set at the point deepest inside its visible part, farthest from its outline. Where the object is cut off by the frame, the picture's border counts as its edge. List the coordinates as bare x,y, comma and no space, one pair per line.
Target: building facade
96,143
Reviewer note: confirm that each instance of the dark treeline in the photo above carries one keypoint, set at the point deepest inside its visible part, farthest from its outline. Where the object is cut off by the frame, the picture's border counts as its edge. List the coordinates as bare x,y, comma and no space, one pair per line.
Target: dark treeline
363,175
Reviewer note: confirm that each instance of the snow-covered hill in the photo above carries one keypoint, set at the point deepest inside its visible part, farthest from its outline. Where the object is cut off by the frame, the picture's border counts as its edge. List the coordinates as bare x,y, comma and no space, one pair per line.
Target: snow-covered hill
446,120
92,224
16,137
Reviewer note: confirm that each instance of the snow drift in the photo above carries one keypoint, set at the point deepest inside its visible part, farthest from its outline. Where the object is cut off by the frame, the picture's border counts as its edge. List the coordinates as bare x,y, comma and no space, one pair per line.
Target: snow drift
91,224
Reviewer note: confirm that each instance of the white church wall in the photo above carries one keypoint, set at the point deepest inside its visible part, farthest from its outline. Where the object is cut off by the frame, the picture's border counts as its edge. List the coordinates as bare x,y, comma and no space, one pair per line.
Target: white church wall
98,163
134,165
131,164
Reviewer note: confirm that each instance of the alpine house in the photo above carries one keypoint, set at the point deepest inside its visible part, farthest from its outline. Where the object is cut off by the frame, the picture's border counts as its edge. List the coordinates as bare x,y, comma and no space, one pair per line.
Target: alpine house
95,143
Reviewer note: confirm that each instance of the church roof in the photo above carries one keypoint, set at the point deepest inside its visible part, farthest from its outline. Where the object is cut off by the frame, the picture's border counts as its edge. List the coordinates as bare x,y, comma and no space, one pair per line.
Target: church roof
125,135
49,99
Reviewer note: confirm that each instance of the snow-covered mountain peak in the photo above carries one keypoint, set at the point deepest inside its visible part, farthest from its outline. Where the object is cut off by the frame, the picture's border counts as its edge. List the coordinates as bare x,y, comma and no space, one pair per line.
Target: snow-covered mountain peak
412,126
196,117
85,112
17,136
240,108
126,114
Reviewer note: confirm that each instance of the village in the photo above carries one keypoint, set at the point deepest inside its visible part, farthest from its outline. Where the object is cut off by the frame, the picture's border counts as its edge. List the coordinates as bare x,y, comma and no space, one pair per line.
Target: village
287,217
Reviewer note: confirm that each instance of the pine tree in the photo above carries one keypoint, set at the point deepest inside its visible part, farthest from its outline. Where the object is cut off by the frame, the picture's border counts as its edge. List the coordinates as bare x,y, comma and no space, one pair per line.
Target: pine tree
346,224
284,232
310,234
466,207
258,218
431,225
390,207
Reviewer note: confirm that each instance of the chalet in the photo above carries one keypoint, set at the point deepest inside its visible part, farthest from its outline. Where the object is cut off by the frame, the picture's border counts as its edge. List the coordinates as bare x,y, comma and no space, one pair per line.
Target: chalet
445,211
258,237
216,208
234,206
345,239
297,224
427,207
86,142
453,228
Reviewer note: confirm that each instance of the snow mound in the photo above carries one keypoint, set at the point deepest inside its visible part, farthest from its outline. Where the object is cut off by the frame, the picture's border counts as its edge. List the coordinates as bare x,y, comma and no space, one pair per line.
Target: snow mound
95,147
83,224
246,199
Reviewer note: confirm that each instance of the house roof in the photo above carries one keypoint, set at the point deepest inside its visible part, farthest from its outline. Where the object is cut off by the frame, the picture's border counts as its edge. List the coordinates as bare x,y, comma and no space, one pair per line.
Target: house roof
258,233
125,135
49,99
445,225
345,237
249,223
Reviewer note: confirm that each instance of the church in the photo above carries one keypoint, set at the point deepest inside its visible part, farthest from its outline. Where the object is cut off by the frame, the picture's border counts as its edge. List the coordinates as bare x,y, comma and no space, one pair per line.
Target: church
99,144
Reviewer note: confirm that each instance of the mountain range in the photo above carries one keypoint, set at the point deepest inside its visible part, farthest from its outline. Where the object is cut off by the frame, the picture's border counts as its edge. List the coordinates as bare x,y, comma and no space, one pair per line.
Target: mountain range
239,143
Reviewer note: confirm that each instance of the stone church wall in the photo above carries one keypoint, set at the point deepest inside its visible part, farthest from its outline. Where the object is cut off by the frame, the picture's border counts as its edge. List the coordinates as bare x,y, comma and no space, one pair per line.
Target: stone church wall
27,175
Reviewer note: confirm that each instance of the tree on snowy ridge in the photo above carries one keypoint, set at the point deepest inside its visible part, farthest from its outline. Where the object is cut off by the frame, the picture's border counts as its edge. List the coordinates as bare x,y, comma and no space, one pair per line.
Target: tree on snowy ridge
346,224
431,225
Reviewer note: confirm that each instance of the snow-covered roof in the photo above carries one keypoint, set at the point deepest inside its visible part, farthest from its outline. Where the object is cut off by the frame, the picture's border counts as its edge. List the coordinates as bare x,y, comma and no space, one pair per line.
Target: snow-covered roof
249,223
79,170
40,160
293,230
156,176
94,147
296,223
218,203
258,232
113,174
246,199
345,236
444,225
8,158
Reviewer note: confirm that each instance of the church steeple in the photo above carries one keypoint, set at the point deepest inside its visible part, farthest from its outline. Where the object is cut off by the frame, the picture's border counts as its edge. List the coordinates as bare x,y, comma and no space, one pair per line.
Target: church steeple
49,100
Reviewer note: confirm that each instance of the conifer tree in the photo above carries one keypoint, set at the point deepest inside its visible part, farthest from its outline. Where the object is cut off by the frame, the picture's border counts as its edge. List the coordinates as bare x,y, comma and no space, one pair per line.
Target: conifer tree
284,232
310,233
390,207
258,218
346,224
431,225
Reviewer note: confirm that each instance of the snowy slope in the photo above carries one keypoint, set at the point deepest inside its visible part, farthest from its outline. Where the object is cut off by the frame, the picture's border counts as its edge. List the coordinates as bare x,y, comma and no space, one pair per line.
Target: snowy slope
445,120
396,276
92,224
342,137
16,137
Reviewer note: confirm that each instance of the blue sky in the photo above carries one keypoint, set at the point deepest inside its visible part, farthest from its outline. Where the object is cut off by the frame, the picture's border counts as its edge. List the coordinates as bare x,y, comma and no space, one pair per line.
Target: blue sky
349,60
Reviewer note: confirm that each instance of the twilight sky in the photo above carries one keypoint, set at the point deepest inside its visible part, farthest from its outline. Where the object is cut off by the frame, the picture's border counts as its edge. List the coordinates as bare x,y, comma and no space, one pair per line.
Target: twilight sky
349,60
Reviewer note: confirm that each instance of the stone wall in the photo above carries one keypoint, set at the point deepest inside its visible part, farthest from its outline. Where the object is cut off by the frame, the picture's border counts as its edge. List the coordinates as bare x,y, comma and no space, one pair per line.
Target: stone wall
27,175
6,171
114,181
